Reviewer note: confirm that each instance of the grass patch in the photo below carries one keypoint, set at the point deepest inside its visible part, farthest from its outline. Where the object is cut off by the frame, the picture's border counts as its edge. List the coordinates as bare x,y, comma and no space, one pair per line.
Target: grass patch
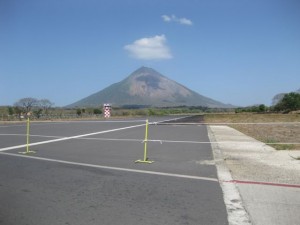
276,144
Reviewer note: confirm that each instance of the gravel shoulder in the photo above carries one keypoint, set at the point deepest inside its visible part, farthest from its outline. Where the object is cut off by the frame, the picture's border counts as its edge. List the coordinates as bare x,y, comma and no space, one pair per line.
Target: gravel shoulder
249,159
258,164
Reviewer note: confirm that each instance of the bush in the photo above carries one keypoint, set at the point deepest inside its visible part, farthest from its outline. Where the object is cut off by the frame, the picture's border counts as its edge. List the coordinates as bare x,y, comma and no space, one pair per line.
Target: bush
97,111
290,102
78,112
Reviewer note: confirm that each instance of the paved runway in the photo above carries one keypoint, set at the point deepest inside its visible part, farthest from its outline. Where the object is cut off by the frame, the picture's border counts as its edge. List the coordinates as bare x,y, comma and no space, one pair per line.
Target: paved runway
83,172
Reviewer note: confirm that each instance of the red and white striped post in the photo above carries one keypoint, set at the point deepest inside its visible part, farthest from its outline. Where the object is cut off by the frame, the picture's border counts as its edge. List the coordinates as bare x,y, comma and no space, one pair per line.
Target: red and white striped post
106,110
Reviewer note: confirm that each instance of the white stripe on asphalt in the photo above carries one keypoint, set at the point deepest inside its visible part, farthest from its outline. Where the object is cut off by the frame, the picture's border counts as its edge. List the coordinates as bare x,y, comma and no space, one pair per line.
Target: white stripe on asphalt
114,168
68,138
77,136
161,141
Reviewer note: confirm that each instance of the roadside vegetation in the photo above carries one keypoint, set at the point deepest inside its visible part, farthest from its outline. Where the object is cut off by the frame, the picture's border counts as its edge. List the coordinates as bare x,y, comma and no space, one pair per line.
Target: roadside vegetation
45,109
277,126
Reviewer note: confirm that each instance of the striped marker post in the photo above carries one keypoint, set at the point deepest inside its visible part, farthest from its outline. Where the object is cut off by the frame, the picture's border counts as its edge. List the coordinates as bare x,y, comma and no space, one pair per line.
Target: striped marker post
107,110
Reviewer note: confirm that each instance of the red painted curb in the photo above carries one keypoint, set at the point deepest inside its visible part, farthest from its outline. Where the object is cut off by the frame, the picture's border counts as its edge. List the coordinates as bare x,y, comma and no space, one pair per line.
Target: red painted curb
263,183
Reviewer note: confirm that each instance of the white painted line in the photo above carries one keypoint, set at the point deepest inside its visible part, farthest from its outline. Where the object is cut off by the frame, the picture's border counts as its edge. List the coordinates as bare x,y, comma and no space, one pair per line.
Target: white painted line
161,141
112,139
74,137
21,125
68,138
96,121
40,123
32,135
114,168
164,121
36,123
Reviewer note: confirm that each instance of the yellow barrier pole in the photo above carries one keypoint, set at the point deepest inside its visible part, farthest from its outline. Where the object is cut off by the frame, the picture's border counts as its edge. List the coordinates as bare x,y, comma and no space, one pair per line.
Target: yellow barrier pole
27,136
145,160
28,133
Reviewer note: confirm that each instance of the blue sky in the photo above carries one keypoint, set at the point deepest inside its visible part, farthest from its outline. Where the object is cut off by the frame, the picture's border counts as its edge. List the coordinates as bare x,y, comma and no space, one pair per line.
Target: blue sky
241,52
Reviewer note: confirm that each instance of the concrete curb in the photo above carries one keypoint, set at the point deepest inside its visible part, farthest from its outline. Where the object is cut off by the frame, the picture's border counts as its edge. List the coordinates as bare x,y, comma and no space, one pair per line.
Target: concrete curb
267,181
237,214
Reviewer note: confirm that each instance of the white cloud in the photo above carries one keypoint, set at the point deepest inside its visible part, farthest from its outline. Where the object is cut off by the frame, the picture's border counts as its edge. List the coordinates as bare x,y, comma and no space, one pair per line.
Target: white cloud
149,48
166,18
173,18
185,21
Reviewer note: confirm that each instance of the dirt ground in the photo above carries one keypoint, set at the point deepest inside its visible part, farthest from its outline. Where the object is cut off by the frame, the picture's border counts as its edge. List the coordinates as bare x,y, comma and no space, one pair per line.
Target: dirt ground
281,131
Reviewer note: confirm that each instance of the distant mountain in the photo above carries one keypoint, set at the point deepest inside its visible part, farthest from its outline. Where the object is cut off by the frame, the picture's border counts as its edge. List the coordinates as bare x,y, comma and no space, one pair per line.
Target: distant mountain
277,98
147,87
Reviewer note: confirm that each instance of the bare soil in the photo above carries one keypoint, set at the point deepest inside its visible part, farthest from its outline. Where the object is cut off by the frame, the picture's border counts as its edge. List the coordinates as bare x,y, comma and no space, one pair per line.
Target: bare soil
281,131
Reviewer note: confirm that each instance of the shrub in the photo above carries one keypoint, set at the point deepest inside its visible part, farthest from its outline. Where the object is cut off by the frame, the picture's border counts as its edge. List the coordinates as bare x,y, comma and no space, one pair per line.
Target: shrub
290,102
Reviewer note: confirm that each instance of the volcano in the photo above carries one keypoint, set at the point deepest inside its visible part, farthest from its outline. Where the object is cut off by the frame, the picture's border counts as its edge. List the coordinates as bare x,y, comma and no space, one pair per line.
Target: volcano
146,87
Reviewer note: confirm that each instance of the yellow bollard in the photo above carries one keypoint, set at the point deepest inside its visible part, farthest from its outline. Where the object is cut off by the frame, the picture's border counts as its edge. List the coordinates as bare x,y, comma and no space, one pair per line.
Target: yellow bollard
27,137
145,160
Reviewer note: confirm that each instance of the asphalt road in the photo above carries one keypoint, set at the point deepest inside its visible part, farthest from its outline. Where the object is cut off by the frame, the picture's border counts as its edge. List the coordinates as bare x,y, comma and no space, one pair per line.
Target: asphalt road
85,173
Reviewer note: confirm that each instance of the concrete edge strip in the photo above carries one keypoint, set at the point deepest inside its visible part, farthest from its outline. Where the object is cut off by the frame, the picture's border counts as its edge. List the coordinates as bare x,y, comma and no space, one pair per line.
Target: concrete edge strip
112,168
264,183
236,212
232,123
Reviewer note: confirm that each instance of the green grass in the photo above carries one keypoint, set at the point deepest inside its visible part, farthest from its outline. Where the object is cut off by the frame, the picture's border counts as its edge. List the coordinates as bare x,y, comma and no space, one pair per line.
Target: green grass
274,143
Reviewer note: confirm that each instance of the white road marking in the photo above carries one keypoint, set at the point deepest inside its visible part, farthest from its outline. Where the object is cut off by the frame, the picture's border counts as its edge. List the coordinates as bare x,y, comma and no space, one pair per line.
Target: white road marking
80,136
32,135
152,140
68,138
114,168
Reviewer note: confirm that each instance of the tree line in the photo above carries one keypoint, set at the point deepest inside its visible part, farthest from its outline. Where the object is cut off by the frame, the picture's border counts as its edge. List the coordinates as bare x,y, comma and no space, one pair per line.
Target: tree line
31,105
37,107
288,103
44,107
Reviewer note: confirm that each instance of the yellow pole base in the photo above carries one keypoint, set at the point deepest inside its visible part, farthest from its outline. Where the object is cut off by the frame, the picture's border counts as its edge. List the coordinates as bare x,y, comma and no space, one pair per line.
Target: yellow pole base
144,161
27,152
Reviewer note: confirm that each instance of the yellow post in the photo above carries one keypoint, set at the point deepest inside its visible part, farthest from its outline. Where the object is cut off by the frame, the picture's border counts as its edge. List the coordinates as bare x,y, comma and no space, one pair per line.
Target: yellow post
27,137
145,160
145,141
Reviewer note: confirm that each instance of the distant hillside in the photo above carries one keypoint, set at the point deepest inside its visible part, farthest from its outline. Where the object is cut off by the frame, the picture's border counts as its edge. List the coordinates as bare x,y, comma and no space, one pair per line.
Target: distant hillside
277,98
147,87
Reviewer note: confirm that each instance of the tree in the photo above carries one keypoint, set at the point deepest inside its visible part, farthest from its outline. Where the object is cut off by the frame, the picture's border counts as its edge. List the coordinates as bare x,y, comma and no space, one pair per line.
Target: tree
78,112
26,104
262,108
45,104
10,111
37,112
18,111
290,102
97,111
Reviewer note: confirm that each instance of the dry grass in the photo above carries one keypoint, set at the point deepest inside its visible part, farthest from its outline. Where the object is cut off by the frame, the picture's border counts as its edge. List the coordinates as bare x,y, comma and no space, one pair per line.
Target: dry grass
280,136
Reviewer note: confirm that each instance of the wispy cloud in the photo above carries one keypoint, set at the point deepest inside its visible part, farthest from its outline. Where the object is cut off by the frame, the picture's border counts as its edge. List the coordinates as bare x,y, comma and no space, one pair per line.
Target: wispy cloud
173,18
149,48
